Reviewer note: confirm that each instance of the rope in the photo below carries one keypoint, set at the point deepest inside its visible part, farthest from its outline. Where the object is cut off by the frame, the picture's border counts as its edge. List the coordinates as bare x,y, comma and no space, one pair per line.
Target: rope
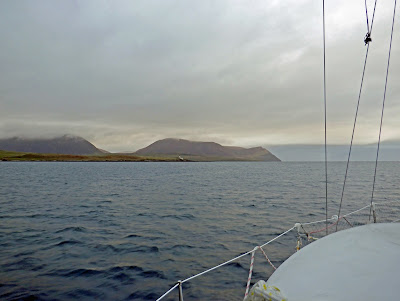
337,220
250,272
284,233
317,222
266,257
222,264
330,226
168,291
326,152
383,108
233,259
270,241
354,127
252,266
358,210
216,267
347,221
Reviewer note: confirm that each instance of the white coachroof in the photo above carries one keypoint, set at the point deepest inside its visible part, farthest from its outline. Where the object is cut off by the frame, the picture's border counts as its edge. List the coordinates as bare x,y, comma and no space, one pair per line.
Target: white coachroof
361,263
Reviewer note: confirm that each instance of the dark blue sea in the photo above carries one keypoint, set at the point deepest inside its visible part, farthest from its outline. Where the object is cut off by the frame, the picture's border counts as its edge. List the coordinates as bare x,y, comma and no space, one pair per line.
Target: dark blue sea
129,231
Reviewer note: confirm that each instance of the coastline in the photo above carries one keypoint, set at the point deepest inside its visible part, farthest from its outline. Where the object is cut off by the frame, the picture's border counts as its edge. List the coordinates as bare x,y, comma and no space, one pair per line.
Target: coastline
11,156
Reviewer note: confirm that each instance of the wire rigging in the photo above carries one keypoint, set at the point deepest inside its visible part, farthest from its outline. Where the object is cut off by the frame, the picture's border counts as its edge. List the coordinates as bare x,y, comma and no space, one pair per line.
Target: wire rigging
366,13
352,135
383,108
326,152
300,227
366,40
373,17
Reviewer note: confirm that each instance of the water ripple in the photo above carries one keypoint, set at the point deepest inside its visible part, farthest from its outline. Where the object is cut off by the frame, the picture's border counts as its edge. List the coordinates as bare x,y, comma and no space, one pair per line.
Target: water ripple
122,231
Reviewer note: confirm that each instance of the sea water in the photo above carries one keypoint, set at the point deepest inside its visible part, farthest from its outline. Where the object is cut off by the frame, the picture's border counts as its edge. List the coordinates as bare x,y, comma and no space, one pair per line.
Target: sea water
129,231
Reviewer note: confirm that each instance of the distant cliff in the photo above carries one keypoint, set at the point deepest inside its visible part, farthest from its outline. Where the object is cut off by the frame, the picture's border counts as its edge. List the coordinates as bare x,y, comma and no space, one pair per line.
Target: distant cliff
206,151
69,145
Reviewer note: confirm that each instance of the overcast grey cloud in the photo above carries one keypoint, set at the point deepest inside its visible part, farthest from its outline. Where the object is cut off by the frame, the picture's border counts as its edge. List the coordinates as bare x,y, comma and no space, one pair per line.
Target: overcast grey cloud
125,73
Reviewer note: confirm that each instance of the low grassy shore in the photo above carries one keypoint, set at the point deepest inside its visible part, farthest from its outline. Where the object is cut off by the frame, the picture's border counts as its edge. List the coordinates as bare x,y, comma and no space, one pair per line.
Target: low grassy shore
20,156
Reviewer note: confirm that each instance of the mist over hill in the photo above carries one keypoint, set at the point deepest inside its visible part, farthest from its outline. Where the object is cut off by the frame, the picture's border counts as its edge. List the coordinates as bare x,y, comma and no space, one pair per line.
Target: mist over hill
206,150
69,145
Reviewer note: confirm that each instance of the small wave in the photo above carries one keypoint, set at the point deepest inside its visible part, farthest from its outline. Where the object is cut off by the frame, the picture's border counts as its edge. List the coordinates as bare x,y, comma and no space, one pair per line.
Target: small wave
27,263
106,201
182,247
169,260
72,229
123,278
24,253
221,245
5,285
22,294
121,273
152,274
64,243
68,242
39,267
125,268
180,217
146,249
133,235
77,273
114,194
143,296
147,214
37,215
236,265
104,248
82,294
108,285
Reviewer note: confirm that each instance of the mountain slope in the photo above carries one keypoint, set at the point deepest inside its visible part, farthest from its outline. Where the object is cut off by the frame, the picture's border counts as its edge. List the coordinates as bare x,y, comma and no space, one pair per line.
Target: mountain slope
69,145
206,150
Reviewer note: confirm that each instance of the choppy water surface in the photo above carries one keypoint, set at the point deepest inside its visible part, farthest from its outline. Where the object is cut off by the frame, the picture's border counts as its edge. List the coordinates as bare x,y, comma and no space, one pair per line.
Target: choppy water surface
128,231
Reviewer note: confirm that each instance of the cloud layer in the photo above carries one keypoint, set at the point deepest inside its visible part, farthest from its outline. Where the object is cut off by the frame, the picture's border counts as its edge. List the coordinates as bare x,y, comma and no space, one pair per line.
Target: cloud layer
125,73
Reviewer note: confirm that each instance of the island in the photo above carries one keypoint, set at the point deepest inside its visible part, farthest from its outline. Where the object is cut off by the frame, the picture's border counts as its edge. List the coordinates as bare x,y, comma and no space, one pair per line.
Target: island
69,148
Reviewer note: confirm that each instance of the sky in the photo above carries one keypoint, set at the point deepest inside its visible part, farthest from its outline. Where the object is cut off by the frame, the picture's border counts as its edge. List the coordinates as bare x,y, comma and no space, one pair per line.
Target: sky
124,74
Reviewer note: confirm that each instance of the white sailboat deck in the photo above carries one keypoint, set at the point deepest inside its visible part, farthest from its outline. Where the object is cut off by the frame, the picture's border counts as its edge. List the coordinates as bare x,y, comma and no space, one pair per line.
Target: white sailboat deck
361,263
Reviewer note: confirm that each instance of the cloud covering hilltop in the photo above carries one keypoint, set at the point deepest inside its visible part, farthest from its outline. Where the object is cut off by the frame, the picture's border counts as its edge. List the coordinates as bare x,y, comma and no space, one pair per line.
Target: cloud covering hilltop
126,73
